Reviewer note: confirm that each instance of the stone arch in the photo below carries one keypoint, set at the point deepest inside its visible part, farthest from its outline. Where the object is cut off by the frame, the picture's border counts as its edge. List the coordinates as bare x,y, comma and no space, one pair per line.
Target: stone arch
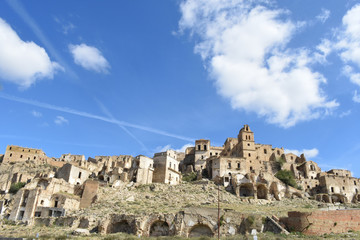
201,230
262,191
338,198
246,190
159,228
121,226
274,191
356,198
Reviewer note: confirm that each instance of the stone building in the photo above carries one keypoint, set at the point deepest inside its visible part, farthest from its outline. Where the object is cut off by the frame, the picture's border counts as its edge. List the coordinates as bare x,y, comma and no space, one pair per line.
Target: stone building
166,168
42,198
142,170
22,154
72,174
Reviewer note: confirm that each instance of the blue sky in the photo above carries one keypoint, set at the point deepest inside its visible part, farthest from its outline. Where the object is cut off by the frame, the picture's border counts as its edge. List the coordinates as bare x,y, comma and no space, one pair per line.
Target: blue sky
136,77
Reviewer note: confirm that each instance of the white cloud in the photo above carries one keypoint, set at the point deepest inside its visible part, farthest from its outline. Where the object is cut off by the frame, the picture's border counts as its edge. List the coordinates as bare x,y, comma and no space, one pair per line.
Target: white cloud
348,43
356,97
309,153
60,120
324,15
244,47
89,58
36,113
22,63
167,147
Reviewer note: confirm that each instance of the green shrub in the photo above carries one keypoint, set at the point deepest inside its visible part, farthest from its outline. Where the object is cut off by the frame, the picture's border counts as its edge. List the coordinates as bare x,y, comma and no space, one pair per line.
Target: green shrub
16,186
286,177
189,177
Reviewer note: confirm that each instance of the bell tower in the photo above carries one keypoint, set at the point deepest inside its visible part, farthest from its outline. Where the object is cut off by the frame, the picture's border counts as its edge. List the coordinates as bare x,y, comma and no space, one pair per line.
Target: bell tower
246,142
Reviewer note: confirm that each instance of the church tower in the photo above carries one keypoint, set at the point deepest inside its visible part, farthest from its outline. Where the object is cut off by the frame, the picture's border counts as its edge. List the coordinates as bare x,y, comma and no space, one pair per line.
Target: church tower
246,143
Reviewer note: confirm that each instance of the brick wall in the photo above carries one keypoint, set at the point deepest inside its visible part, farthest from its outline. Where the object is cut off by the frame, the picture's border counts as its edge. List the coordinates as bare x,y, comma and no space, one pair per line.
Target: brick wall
321,222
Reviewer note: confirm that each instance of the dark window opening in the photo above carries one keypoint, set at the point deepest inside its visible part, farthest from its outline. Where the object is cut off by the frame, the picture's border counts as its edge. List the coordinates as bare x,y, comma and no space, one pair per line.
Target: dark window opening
332,189
265,151
199,147
10,154
249,155
229,164
205,147
278,152
42,202
238,165
79,175
56,203
21,156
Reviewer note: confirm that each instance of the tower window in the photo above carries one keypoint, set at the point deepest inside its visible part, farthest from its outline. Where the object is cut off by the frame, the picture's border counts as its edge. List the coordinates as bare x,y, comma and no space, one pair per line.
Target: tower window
265,151
199,147
21,156
10,154
205,147
79,175
248,144
229,164
332,189
249,154
238,165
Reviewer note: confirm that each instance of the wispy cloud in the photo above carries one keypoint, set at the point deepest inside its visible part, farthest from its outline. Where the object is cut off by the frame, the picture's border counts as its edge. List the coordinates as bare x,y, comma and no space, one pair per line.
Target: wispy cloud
107,113
324,15
345,114
356,97
60,120
66,27
89,57
36,113
93,116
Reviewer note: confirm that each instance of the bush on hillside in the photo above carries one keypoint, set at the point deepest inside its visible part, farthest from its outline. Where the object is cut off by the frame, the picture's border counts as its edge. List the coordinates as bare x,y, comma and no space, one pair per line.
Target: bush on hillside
16,186
286,177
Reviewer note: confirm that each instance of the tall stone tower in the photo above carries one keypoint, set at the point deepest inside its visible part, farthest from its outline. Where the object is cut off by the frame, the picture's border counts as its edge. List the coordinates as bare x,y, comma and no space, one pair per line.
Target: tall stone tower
246,143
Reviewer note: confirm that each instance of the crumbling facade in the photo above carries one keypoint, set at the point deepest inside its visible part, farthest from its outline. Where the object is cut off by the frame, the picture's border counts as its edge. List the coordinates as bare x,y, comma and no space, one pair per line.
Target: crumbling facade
167,168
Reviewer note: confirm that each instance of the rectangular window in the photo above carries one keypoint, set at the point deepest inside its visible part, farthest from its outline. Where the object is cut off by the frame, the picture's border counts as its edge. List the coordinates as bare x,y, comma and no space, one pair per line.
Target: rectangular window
229,164
199,147
205,147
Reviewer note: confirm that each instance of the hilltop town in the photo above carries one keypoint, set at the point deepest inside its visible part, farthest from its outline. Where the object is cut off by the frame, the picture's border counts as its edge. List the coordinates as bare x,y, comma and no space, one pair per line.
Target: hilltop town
176,193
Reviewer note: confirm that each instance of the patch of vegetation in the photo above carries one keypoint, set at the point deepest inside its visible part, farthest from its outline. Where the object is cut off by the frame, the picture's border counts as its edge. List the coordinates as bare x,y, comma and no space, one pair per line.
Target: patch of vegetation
286,177
280,162
16,187
190,177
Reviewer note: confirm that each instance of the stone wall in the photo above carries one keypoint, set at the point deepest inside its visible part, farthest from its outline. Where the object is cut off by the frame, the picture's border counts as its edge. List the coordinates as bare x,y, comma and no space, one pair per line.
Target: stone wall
321,222
89,194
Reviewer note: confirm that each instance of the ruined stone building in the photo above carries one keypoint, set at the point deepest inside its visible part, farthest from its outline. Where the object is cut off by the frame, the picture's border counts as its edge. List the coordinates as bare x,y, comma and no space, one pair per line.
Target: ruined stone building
167,168
22,154
43,198
72,174
57,185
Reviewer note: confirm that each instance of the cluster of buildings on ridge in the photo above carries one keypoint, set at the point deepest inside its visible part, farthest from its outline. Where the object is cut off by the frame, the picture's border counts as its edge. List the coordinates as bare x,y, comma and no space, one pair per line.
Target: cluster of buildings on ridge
241,165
